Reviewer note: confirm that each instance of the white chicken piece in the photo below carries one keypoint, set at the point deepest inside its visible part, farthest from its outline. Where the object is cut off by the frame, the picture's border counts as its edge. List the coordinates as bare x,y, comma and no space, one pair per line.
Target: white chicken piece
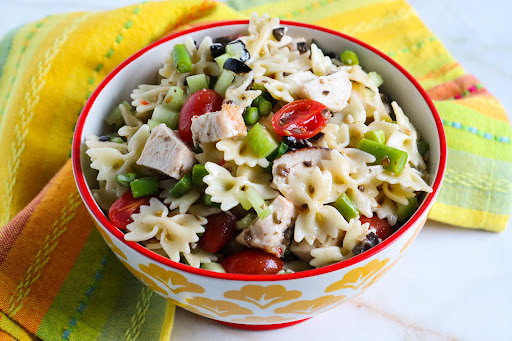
333,90
166,153
270,234
297,80
215,126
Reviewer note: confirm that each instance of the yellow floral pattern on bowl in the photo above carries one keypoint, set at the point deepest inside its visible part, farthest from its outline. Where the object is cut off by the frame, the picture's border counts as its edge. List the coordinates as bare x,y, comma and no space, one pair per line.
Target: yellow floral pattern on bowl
262,296
218,307
308,307
359,276
263,320
174,281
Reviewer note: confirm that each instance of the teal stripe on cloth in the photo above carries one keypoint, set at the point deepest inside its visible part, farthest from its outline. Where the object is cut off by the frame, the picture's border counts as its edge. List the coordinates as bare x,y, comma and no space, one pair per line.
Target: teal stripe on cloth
477,182
126,308
5,47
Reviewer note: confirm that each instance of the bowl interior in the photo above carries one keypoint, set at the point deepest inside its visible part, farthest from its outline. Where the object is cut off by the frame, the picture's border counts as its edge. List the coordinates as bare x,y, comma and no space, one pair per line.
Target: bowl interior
143,69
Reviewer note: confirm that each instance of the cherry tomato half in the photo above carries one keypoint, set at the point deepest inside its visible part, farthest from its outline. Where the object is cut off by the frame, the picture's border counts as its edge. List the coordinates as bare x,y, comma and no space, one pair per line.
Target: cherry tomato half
301,119
382,227
220,229
120,213
199,103
252,262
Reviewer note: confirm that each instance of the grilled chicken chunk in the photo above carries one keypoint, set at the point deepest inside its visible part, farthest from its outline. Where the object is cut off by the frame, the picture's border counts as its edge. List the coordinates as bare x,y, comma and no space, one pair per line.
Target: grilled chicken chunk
271,234
333,90
166,153
219,125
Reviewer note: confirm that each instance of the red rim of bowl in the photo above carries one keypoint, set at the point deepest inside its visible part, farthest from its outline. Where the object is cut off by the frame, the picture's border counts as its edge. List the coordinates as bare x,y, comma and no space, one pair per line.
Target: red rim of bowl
99,216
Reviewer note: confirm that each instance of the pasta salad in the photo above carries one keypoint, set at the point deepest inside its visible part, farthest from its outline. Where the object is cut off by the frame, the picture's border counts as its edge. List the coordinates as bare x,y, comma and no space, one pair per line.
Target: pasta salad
259,154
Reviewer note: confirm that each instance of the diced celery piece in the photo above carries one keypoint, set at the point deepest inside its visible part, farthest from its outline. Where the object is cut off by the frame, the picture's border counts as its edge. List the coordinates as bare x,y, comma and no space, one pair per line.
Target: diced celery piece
198,173
376,135
261,141
258,87
236,50
115,118
212,266
242,199
245,221
162,113
257,202
174,98
152,124
375,78
223,82
346,207
144,186
404,212
197,82
423,147
222,59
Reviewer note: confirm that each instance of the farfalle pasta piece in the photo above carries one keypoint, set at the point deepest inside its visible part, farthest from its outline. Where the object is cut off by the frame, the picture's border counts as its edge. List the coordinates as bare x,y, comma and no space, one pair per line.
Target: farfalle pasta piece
196,257
174,233
339,168
260,32
223,186
209,153
387,210
147,97
308,187
397,193
356,232
357,159
324,256
239,151
238,91
356,109
321,65
336,137
182,203
319,222
110,161
408,178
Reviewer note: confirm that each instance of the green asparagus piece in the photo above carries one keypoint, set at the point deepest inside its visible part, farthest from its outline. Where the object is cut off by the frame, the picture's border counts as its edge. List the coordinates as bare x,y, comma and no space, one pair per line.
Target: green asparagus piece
181,58
376,135
390,158
346,207
406,211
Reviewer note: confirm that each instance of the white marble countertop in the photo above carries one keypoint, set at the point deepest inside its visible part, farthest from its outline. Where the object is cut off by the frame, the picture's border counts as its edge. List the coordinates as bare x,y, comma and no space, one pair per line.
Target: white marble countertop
453,284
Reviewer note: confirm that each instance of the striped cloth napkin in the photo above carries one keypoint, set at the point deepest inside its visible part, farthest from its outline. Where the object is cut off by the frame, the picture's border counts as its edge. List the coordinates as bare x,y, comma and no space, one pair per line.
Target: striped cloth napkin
58,280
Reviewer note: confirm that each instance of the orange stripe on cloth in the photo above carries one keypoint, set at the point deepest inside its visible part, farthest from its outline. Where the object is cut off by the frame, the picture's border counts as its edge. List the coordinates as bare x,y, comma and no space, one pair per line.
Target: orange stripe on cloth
439,72
9,233
457,87
485,104
6,337
30,281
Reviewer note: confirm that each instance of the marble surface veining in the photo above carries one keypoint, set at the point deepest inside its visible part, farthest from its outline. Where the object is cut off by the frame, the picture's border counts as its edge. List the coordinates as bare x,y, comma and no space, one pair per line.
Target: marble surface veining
453,283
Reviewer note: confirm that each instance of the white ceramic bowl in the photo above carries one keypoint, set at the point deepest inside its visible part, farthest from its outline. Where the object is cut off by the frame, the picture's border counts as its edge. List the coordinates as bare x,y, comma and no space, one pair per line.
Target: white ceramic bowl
258,301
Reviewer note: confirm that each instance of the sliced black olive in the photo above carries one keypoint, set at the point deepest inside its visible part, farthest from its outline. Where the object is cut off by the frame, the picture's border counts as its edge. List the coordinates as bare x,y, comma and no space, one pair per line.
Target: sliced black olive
302,47
104,138
317,138
279,32
294,143
217,50
222,40
236,66
370,241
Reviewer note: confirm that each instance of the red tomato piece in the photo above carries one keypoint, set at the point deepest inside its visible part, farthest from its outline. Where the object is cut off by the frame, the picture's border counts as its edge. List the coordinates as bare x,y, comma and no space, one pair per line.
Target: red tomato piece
220,229
252,262
199,103
301,119
120,213
382,227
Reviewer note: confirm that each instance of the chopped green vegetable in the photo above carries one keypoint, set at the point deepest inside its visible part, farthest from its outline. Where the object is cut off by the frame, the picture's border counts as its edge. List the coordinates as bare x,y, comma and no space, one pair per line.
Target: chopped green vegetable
349,57
115,118
404,212
376,135
236,50
257,202
375,78
251,115
225,79
124,180
423,147
242,199
198,173
261,141
181,58
264,106
182,186
207,199
144,186
152,124
346,207
197,82
390,158
174,99
212,266
222,59
117,139
245,221
258,87
164,114
283,148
